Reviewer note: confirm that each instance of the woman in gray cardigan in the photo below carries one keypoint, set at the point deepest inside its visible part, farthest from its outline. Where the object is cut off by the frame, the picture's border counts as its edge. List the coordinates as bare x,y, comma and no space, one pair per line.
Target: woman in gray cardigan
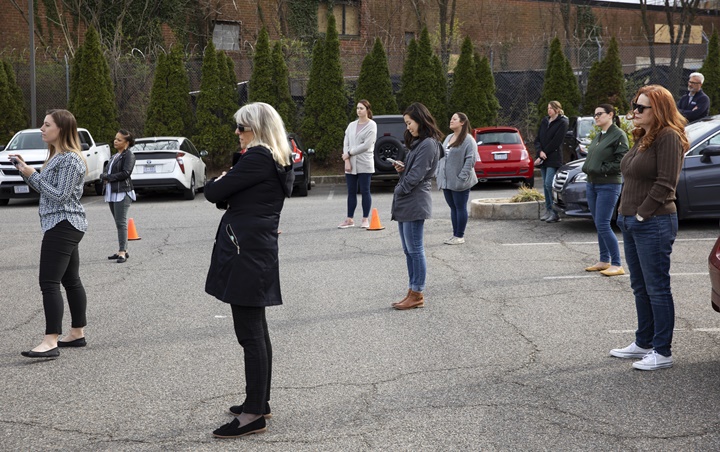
412,203
456,174
358,153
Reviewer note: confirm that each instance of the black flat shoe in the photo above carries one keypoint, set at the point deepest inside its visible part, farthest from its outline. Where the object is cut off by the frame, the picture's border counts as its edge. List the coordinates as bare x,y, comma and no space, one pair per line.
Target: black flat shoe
237,410
116,255
232,430
52,353
76,343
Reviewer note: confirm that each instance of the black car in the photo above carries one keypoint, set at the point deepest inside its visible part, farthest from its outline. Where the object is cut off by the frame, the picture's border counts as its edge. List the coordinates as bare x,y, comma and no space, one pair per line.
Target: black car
698,186
301,165
389,143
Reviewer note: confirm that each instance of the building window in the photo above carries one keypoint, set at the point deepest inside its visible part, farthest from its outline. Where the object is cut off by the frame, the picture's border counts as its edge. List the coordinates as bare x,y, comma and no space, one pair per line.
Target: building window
226,36
347,17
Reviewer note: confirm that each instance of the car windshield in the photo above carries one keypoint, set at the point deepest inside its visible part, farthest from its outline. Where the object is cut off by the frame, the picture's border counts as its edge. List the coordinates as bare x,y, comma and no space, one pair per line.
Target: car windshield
698,130
164,145
585,126
25,141
498,138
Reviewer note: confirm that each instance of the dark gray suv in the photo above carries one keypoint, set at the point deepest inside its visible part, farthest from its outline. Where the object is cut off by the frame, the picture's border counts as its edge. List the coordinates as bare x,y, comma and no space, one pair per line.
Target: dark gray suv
389,143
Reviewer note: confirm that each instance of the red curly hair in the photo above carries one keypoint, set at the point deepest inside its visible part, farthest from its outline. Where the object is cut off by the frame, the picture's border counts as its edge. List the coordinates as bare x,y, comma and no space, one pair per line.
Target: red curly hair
666,115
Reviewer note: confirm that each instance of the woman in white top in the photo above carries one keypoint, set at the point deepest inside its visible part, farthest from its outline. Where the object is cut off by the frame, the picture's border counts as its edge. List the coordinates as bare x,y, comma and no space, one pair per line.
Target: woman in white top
119,192
358,153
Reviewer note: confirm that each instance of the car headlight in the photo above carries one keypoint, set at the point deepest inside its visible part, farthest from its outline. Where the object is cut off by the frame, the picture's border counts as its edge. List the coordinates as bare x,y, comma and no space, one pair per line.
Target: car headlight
581,177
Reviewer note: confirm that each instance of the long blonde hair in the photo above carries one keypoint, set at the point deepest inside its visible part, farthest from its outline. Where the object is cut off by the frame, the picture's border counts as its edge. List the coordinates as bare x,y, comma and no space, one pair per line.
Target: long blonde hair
68,139
268,128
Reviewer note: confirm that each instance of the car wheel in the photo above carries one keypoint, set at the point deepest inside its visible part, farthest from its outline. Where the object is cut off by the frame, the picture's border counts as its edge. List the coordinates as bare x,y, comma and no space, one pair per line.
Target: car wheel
4,202
302,189
387,147
529,182
190,192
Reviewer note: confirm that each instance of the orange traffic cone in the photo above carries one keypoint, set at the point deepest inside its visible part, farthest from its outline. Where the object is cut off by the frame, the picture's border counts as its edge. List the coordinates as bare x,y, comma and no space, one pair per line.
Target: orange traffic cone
375,221
132,232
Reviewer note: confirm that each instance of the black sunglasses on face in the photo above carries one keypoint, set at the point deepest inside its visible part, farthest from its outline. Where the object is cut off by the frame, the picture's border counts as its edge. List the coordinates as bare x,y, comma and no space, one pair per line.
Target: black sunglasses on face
243,128
640,108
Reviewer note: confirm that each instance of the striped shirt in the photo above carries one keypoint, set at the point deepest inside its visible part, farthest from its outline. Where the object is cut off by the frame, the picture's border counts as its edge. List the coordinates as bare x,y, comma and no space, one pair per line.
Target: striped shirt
60,186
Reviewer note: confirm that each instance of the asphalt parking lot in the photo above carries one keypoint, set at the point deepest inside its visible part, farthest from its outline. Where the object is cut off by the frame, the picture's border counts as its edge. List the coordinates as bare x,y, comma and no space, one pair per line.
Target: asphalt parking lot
510,352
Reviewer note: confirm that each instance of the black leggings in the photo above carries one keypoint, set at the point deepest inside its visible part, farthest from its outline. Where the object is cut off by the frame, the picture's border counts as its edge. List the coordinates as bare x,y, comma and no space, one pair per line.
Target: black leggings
252,333
60,263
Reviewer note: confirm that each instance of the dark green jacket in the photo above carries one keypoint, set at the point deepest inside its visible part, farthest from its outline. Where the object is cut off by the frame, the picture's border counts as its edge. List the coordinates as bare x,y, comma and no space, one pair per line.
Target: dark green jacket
602,164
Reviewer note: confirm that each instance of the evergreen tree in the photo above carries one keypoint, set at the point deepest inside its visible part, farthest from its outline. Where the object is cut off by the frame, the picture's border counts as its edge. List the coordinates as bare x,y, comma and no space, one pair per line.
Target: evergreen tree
711,71
374,83
75,75
229,93
214,129
437,102
560,83
606,82
5,104
261,80
327,114
15,117
409,79
169,112
281,82
486,81
429,82
93,103
313,97
466,95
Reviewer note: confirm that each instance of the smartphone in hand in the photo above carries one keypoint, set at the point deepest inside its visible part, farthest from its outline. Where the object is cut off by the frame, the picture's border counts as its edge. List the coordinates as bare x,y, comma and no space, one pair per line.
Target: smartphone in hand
395,162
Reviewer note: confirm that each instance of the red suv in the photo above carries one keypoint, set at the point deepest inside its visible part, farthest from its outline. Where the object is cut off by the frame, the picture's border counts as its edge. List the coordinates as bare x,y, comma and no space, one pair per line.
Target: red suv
503,156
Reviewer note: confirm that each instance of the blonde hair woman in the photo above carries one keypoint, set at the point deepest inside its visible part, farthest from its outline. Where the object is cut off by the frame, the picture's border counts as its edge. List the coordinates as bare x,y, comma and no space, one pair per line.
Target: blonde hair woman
548,150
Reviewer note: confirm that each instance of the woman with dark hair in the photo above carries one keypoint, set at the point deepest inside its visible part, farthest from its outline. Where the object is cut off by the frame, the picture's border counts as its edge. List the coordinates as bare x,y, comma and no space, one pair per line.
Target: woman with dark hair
244,269
358,154
603,185
412,203
119,192
548,150
648,220
456,173
63,222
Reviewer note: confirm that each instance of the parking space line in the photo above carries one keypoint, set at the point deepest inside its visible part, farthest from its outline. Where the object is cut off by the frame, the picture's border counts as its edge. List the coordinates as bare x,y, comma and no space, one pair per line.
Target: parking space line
595,243
330,195
676,330
619,276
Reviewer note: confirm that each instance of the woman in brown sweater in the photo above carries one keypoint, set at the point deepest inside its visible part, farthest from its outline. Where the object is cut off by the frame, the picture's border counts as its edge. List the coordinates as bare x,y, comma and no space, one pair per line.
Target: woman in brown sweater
648,220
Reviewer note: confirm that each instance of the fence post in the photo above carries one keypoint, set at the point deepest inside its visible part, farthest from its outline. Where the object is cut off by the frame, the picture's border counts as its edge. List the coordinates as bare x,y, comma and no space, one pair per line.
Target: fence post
67,81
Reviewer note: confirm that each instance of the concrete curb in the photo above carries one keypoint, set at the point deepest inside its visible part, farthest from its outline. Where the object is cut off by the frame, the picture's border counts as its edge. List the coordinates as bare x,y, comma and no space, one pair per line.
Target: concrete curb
503,209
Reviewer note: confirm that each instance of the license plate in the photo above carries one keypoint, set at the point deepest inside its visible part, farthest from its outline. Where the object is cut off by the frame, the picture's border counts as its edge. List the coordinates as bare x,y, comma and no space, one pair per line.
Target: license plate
500,156
149,169
21,189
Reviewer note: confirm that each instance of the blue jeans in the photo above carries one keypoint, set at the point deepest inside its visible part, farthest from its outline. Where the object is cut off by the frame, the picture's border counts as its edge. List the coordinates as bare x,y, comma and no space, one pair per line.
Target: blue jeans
363,180
648,246
411,237
602,199
457,200
547,176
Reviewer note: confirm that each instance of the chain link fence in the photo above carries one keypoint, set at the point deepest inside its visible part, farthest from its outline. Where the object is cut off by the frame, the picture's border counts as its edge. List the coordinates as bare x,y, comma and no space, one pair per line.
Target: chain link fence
518,71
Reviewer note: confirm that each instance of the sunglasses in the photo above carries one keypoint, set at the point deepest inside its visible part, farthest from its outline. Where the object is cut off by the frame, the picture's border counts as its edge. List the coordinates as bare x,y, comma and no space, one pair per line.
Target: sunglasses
243,128
640,108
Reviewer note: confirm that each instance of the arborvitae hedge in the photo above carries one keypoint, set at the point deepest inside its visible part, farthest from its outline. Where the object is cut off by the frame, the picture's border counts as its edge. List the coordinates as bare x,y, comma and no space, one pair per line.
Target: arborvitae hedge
409,77
169,112
261,80
281,83
429,82
438,102
313,97
606,82
374,83
560,83
215,129
466,95
93,103
486,81
711,70
229,95
12,104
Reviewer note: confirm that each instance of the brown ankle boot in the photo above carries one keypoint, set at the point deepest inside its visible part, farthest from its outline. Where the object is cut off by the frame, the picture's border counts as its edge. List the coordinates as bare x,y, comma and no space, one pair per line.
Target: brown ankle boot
414,300
403,300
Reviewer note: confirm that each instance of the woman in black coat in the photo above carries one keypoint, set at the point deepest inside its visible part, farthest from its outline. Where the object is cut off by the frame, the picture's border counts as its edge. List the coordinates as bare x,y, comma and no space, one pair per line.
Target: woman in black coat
548,152
244,268
118,188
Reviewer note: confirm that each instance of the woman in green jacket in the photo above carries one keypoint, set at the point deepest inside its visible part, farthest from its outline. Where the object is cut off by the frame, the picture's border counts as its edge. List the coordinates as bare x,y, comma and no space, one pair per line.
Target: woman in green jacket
604,183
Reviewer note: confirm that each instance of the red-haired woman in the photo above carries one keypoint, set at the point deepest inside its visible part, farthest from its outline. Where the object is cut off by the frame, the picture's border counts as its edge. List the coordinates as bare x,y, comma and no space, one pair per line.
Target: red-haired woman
647,218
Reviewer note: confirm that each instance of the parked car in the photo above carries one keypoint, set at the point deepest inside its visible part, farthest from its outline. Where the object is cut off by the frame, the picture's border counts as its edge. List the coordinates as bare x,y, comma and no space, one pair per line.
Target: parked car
389,143
577,138
698,186
30,146
502,155
714,266
168,163
301,165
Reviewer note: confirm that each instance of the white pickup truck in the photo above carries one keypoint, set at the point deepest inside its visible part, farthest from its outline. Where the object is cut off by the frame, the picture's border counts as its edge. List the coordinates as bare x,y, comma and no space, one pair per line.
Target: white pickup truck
30,146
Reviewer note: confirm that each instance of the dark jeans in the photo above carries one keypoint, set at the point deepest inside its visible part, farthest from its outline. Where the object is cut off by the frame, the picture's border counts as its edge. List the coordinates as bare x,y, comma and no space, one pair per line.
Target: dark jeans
252,333
119,212
411,237
60,264
363,181
602,199
548,173
648,246
457,200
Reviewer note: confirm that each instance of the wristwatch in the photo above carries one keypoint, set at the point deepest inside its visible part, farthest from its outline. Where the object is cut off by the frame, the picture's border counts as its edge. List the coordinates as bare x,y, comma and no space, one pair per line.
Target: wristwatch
639,218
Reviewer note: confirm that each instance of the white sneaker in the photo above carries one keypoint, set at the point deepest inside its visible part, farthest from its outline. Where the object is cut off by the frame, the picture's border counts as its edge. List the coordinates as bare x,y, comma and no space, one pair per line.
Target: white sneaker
346,224
653,361
631,351
455,241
